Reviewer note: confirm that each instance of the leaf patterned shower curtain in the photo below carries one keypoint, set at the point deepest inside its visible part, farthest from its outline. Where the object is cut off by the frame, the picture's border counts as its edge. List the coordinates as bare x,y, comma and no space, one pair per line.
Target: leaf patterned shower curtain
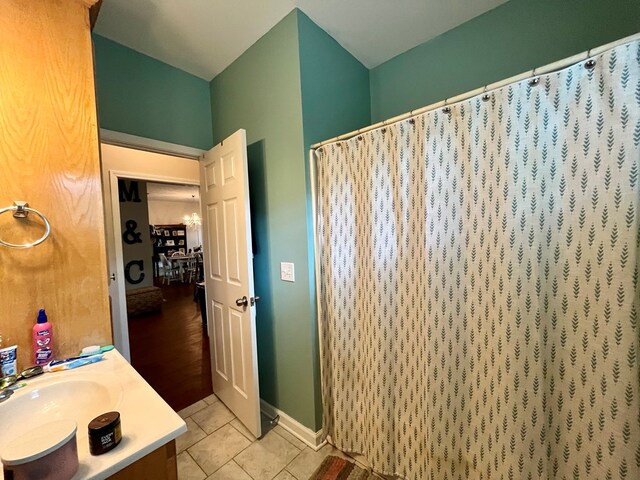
479,283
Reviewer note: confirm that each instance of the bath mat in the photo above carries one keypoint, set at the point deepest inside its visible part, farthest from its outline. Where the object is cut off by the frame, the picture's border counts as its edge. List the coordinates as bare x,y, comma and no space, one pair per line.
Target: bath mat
336,468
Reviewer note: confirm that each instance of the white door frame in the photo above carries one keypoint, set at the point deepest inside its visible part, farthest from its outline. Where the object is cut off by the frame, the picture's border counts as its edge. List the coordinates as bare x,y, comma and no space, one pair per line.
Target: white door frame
135,142
120,318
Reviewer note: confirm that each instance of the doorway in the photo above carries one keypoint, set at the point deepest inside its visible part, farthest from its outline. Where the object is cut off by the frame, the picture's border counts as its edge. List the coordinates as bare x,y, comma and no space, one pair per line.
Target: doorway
167,345
230,298
163,274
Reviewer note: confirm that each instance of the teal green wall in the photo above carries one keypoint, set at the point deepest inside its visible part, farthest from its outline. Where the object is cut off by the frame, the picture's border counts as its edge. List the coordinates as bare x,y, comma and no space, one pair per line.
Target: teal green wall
142,96
292,88
335,100
513,38
335,86
261,93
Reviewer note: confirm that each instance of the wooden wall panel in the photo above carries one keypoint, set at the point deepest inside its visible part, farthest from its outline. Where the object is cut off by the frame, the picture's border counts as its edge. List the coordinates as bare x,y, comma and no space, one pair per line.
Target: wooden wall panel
49,156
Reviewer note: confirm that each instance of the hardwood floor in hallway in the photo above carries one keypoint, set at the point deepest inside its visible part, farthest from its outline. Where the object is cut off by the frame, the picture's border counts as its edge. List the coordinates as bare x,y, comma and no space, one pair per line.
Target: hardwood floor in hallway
171,349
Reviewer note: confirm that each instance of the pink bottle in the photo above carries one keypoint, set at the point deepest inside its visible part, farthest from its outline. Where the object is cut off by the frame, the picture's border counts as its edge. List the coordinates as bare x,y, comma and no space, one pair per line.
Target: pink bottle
42,340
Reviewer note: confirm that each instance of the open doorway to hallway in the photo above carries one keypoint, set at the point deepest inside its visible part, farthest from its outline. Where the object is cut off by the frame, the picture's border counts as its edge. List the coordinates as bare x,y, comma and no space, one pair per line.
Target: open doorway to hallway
163,271
231,299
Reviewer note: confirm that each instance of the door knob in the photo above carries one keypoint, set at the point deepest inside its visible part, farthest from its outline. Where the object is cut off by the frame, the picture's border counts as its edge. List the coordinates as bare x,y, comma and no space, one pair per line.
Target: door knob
254,300
242,302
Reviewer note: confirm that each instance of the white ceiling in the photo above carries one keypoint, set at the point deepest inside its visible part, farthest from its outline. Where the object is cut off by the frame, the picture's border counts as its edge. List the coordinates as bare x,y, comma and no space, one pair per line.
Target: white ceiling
203,37
173,193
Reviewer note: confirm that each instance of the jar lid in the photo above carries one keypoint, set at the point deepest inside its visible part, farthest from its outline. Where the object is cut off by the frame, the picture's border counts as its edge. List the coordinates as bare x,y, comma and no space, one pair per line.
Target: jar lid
104,421
38,442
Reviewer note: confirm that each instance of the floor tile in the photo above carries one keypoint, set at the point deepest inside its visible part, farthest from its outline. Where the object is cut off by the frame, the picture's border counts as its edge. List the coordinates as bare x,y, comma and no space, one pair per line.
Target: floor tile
242,429
211,399
193,435
308,461
265,458
231,471
188,469
213,417
217,449
292,439
284,475
191,409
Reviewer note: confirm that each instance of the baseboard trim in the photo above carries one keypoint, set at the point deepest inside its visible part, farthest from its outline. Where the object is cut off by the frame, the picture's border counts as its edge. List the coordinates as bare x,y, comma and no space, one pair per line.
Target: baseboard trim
315,440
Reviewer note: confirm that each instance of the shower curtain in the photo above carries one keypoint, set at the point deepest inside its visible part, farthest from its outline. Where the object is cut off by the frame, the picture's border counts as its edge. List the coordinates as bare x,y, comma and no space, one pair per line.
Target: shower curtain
478,283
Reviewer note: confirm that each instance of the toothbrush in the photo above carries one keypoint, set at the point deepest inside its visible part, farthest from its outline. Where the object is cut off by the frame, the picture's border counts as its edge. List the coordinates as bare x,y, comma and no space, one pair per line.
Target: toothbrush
93,349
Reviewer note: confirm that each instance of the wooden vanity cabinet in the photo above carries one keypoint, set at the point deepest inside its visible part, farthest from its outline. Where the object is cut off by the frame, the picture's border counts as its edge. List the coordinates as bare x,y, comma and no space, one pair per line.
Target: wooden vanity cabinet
158,465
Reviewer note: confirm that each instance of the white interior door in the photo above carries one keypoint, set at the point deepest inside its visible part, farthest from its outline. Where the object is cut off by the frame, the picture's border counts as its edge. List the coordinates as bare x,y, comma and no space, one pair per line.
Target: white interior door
228,258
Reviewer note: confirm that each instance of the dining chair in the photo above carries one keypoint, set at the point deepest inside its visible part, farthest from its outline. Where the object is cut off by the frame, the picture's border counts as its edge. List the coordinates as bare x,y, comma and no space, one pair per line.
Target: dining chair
192,268
171,270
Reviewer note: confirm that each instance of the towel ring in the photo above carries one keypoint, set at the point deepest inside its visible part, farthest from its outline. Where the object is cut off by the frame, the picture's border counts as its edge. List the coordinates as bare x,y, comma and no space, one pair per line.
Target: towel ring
22,210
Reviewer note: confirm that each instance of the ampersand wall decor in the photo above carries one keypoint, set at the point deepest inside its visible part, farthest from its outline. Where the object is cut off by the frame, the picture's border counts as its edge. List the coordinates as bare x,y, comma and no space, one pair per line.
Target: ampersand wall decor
130,236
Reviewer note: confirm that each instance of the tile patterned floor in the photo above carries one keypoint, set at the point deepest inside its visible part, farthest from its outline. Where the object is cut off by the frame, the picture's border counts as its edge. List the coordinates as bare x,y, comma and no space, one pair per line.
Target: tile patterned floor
218,447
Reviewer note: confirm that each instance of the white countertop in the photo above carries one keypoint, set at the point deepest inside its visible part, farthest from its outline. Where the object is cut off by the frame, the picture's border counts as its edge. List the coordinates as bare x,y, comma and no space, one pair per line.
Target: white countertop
86,392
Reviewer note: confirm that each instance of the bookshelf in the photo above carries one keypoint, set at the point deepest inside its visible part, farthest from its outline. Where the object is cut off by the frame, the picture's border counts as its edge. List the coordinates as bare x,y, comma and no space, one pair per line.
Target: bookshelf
167,239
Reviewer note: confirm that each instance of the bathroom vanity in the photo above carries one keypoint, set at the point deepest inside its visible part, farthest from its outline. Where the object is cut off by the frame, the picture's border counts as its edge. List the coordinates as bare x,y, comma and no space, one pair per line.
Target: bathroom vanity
157,465
149,425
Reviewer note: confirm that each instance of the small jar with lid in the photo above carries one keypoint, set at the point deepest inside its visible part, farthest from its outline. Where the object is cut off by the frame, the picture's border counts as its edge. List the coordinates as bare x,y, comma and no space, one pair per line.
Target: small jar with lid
105,433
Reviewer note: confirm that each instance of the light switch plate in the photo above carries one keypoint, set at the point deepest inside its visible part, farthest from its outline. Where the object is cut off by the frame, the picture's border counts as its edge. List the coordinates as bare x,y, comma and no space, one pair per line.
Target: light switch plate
287,272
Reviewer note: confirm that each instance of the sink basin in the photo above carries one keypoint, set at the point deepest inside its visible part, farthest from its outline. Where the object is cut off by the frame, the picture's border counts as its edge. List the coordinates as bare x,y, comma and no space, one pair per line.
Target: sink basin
53,397
81,395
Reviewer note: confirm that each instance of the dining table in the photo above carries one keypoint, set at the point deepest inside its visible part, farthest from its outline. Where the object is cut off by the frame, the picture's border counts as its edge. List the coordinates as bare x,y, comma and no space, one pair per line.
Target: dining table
181,262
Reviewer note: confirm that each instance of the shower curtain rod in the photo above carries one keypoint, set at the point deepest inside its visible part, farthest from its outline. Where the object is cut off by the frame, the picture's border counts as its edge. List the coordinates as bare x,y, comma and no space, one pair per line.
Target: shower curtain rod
552,67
